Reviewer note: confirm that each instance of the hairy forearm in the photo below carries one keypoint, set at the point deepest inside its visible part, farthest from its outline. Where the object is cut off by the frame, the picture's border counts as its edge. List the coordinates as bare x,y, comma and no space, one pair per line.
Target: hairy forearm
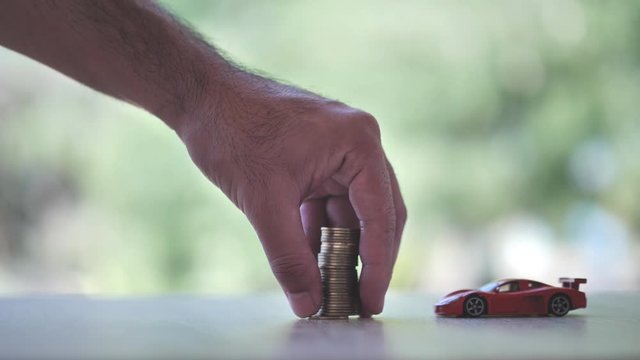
132,50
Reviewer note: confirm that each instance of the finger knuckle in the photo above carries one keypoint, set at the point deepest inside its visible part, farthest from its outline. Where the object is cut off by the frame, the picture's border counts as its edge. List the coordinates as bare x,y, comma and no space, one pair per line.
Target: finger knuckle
370,124
289,266
367,125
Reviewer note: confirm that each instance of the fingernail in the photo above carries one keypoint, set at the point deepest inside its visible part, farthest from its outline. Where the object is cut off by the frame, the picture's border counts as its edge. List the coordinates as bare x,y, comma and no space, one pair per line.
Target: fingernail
302,304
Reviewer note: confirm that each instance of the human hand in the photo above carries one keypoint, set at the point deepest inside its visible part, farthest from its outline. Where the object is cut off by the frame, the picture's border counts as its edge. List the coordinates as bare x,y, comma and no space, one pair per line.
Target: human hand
292,162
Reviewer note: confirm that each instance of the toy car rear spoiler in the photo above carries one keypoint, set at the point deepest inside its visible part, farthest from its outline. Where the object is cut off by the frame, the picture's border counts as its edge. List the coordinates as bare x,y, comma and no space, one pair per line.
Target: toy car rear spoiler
573,283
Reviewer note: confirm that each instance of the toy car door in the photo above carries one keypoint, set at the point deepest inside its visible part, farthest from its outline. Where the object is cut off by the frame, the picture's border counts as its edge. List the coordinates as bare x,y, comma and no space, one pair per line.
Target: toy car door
507,299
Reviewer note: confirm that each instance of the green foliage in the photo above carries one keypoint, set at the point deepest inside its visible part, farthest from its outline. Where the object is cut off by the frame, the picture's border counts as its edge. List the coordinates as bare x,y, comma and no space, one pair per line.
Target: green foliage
484,107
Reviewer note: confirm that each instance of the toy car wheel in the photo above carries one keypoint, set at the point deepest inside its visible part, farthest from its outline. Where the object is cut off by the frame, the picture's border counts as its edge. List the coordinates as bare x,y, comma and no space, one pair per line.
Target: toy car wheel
559,305
475,306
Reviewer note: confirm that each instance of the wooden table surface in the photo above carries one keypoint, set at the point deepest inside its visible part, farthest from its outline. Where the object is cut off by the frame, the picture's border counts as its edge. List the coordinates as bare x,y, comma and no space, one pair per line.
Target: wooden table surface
262,327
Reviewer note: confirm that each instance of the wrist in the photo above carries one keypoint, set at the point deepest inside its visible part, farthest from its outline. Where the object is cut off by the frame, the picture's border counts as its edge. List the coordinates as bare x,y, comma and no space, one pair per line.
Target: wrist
203,82
218,92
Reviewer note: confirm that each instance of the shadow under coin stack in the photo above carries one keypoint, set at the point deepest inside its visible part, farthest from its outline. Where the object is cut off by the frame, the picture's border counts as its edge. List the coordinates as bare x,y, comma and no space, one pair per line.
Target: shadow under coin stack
338,259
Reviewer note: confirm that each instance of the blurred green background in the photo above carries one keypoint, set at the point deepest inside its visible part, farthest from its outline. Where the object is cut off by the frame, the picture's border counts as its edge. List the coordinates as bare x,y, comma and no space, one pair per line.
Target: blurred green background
513,126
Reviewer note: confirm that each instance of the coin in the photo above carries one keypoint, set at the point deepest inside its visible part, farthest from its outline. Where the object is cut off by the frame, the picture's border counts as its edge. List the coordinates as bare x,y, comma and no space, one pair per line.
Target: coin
337,261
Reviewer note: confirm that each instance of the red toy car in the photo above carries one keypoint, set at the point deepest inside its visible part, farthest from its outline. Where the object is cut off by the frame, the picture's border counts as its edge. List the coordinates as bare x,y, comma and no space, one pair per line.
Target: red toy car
515,297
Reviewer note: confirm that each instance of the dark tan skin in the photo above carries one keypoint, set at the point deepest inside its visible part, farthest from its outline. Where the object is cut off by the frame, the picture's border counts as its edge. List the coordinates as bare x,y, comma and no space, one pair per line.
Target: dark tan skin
291,160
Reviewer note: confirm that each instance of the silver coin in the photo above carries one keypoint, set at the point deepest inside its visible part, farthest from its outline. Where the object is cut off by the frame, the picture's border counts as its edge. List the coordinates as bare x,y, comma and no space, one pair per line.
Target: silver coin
339,251
326,317
337,312
338,304
338,286
338,301
334,310
340,235
339,243
341,288
345,256
331,229
337,261
346,241
338,277
332,263
338,238
334,291
329,248
337,272
345,263
341,254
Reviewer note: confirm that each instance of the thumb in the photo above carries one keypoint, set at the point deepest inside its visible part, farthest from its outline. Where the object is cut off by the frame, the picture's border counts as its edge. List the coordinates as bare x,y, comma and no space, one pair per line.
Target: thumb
279,227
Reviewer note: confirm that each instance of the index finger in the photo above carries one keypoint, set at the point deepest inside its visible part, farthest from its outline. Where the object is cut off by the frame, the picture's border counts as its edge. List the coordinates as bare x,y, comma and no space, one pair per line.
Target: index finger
371,196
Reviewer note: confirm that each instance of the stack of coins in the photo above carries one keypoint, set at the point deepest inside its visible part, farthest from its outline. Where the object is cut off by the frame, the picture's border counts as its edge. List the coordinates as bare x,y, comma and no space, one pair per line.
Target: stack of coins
338,259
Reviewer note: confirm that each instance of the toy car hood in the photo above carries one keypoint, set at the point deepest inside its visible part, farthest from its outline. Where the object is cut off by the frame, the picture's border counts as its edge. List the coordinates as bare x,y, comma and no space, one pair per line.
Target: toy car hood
451,297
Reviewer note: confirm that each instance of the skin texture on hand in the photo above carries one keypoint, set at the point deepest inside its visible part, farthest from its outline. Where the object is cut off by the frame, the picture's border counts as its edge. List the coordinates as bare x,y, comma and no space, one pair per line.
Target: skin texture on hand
291,160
